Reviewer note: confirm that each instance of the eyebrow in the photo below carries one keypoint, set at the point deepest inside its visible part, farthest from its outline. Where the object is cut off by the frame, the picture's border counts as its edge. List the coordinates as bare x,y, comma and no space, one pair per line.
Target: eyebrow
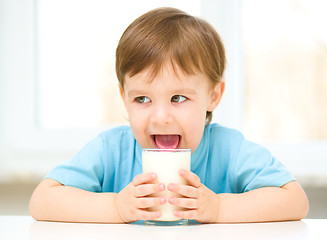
137,92
185,91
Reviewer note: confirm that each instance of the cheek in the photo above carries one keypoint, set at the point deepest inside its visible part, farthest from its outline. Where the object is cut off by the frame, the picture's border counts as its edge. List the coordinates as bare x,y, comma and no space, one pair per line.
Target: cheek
194,125
138,132
196,134
137,122
134,116
198,115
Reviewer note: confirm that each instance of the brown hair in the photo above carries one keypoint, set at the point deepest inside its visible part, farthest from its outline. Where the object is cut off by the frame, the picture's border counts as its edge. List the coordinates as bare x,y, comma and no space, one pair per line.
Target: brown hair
170,34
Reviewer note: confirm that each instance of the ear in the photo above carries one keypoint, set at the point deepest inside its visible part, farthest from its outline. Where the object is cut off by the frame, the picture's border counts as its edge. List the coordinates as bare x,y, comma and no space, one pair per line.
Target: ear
215,95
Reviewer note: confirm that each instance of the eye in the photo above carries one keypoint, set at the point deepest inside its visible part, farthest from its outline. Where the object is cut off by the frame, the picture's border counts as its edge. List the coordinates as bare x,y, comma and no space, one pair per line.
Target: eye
142,99
178,99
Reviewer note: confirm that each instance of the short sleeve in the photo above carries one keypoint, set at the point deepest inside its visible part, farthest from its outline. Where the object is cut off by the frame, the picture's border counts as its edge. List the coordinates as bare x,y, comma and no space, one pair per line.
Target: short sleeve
255,167
85,170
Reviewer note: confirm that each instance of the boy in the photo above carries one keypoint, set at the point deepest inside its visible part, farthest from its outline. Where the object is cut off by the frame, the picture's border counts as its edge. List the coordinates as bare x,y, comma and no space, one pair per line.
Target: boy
170,67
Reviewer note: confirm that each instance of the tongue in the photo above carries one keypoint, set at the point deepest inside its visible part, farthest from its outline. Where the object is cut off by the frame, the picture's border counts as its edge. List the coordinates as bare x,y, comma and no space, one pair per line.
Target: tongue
167,141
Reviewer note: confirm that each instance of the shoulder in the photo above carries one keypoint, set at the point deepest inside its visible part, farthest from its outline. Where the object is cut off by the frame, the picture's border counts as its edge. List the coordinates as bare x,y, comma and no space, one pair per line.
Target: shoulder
117,133
118,142
217,128
221,135
221,143
116,130
232,144
234,139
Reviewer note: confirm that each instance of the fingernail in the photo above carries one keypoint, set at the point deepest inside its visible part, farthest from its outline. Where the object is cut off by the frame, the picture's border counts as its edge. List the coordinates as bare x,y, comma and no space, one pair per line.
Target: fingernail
162,200
182,172
176,213
154,176
171,200
162,187
171,186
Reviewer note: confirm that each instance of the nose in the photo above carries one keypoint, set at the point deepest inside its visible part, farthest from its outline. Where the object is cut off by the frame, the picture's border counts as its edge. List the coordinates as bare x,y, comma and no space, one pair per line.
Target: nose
162,114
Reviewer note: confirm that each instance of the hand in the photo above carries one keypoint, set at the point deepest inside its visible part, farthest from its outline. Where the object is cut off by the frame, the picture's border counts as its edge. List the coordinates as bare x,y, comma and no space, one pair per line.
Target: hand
200,202
131,202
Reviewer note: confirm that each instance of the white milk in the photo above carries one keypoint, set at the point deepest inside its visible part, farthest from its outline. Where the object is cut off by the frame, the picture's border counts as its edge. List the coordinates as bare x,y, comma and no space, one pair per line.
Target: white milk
166,163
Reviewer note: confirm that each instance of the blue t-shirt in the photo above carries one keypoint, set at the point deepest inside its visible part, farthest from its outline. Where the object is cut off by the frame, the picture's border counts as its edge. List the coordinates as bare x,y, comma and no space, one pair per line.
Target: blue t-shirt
224,160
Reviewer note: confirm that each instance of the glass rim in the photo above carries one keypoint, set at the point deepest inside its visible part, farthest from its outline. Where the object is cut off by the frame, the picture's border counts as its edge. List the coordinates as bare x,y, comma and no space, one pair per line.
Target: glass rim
166,150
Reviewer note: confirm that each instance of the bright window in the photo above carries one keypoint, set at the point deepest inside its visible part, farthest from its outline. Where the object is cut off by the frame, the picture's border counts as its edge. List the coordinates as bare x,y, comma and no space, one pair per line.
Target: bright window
59,90
76,58
285,69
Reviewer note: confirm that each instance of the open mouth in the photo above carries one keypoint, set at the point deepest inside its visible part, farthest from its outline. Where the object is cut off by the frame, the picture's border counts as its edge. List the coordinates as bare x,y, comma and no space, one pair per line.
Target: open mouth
171,141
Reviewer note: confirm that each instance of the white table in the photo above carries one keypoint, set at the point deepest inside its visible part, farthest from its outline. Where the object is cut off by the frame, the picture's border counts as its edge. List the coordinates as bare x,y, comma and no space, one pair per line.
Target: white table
24,227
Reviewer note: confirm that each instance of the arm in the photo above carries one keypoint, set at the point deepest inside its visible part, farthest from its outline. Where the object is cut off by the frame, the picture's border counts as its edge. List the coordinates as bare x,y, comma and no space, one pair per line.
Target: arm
52,201
288,202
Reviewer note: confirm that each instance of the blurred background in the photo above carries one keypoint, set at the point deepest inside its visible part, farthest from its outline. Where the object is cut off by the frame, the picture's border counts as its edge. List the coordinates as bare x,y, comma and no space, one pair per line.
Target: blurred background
58,87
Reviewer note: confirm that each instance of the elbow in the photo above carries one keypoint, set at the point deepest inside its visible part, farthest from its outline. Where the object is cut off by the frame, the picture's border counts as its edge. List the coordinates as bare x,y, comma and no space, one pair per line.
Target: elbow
33,213
301,205
33,209
297,202
304,207
39,204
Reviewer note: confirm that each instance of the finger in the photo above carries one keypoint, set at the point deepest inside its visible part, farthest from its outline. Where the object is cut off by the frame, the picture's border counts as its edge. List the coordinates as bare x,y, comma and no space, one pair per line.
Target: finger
147,189
191,178
190,214
189,203
184,190
148,215
144,178
150,202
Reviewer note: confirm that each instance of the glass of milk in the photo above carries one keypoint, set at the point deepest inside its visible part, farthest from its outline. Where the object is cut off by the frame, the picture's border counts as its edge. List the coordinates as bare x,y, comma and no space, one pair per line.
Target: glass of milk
166,163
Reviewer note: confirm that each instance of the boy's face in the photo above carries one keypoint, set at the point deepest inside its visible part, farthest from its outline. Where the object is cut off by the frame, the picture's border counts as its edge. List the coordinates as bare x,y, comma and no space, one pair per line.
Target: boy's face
170,111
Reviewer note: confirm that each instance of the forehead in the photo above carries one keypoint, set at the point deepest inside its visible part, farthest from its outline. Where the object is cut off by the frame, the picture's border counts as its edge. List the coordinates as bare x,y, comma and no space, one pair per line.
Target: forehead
168,71
170,78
